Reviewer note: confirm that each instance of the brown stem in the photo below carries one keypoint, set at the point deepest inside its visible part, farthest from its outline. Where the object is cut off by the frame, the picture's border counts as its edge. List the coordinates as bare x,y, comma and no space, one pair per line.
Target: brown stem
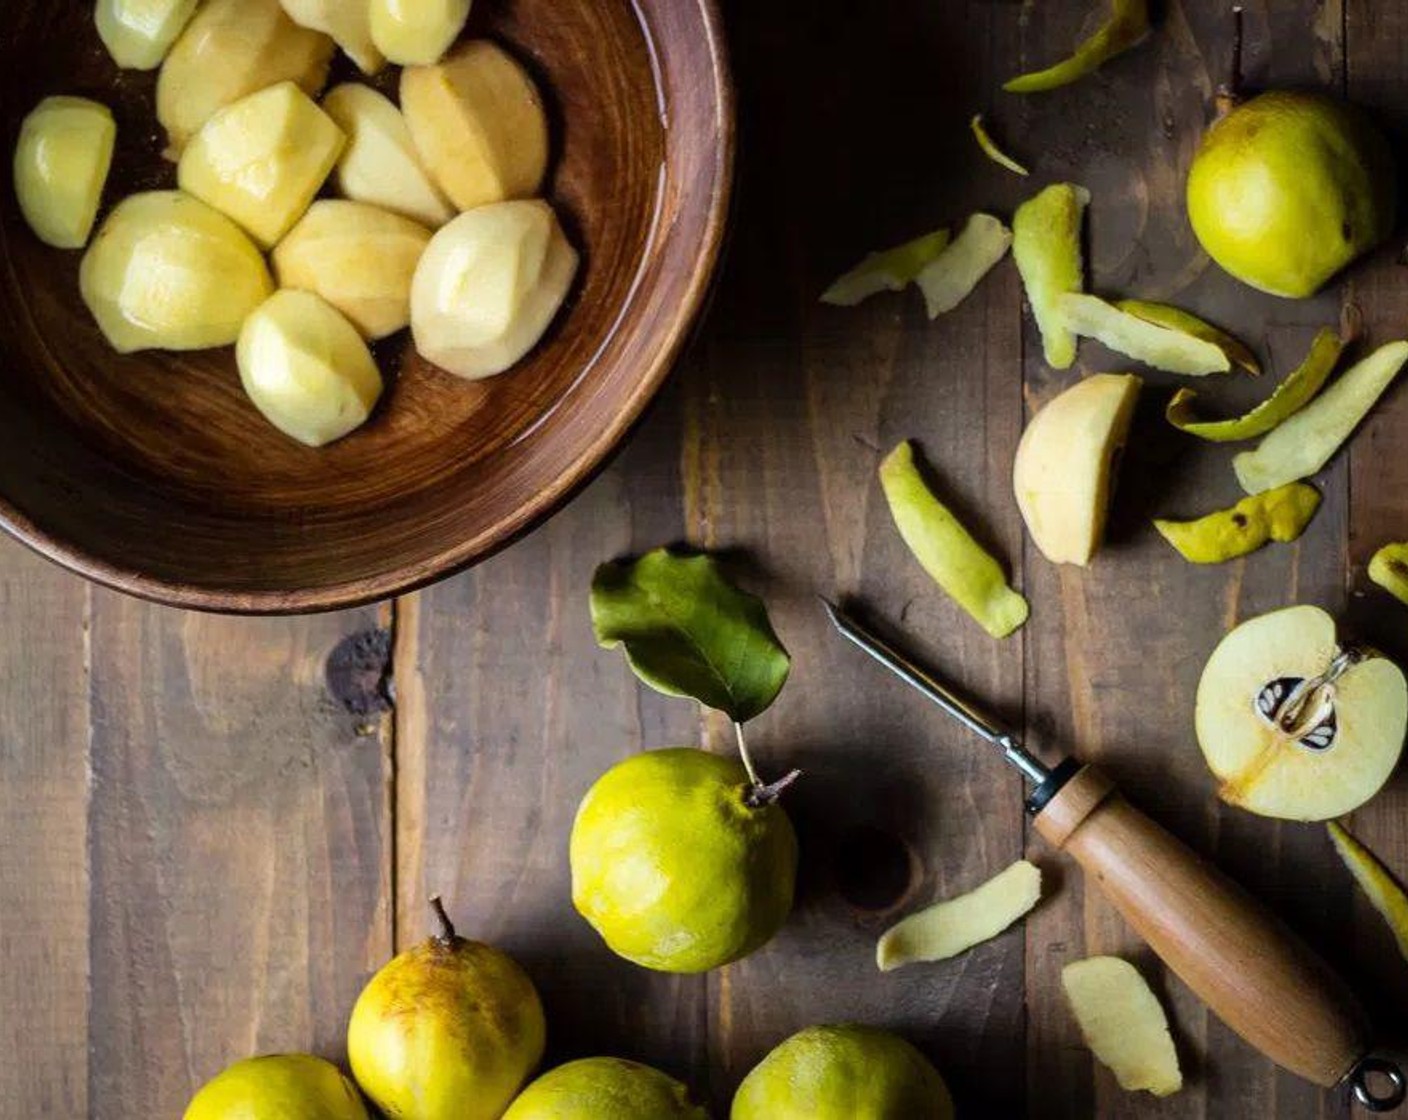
446,936
761,796
1229,94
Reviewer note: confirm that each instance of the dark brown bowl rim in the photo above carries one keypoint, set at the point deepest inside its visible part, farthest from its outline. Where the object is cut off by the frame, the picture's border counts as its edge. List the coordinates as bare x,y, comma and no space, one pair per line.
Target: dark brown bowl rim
503,532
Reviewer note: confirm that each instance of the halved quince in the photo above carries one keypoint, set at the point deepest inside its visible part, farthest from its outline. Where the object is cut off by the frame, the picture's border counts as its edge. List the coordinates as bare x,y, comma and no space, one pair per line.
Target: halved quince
1294,725
1065,465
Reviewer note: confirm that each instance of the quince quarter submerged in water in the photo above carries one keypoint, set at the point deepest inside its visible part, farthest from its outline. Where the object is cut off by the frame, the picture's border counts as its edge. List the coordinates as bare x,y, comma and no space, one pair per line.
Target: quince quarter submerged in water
449,1030
1289,188
847,1072
678,865
597,1088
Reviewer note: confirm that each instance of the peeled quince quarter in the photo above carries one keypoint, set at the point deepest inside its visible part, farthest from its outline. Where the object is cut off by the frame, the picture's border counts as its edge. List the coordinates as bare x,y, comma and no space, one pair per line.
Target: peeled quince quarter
1294,725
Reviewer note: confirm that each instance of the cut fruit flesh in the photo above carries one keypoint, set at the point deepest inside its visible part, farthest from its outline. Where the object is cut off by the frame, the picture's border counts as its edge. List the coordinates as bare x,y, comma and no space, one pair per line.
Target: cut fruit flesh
62,162
950,279
992,151
1065,463
168,272
1046,244
139,33
489,285
1290,397
348,22
1389,569
359,258
1127,26
416,32
946,550
1123,1023
1310,438
891,270
1376,881
1158,347
229,50
380,164
1292,726
954,926
1175,318
307,369
262,160
1278,515
478,123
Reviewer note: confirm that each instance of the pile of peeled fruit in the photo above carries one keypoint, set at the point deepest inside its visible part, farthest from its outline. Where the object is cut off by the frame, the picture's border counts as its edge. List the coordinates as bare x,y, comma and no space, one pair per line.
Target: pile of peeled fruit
432,219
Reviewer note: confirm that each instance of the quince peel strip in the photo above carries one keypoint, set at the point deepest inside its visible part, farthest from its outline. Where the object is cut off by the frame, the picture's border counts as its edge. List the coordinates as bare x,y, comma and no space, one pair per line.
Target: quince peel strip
1127,26
1293,394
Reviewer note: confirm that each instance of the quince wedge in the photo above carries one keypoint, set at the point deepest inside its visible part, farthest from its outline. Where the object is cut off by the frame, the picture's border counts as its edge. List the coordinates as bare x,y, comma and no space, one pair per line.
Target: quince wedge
488,287
347,22
380,164
229,50
1064,471
359,258
416,32
61,167
168,272
262,160
307,369
478,122
139,33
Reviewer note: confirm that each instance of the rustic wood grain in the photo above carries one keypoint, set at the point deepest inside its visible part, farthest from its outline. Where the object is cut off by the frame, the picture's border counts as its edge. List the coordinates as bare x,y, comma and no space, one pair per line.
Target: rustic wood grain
1115,657
209,845
43,862
238,839
1377,63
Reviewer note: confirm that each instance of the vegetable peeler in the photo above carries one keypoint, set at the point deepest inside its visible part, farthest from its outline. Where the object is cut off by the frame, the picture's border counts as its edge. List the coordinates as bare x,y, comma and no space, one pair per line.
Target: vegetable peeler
1238,958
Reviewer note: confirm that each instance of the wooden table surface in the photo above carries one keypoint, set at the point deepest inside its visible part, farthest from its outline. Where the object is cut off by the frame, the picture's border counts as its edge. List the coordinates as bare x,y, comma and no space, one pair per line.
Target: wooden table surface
215,829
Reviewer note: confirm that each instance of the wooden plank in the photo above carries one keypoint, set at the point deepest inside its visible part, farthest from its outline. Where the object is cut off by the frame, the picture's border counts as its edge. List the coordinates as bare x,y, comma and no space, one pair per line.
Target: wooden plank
43,863
1377,49
507,713
238,842
1115,652
790,407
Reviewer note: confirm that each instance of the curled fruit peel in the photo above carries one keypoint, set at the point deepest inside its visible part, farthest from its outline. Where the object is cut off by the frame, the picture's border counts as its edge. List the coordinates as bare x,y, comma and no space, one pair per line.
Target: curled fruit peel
1310,438
1376,881
961,566
892,270
1175,318
1123,1023
1293,394
991,150
1127,26
1278,515
1159,347
1389,569
1046,244
950,279
957,924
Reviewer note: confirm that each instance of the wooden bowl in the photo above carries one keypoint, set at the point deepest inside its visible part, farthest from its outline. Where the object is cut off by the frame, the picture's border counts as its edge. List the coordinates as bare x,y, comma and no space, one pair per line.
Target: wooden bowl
154,474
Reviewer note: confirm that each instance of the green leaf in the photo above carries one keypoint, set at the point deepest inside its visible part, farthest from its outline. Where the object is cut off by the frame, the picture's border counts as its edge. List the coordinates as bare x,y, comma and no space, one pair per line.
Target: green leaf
687,631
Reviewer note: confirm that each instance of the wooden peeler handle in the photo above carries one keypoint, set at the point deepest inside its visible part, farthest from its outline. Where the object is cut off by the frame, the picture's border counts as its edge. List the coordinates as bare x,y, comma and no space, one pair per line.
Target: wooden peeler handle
1250,969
